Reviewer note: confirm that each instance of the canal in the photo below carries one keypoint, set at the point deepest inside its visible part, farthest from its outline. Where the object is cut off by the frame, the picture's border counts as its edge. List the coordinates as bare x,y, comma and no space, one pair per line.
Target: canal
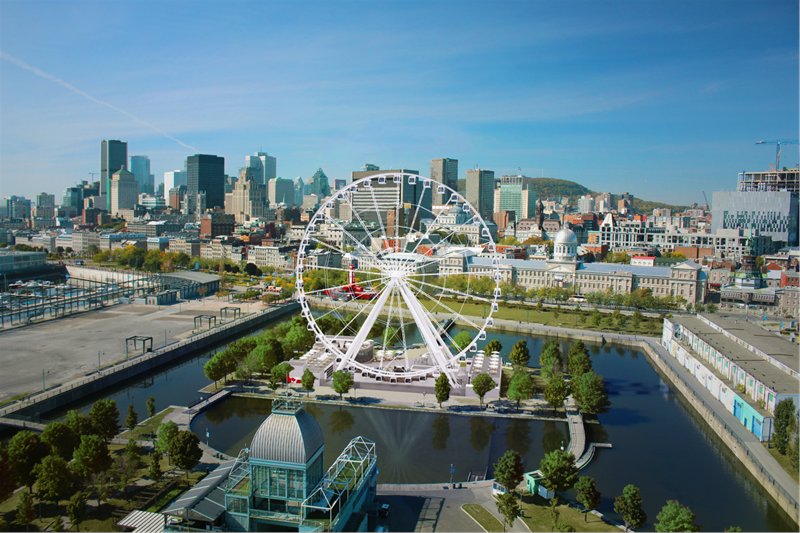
660,444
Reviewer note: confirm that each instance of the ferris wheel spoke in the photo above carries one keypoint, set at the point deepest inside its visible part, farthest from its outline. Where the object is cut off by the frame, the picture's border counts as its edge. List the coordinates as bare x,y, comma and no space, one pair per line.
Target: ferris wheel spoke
337,307
450,309
377,212
402,329
361,310
452,291
443,240
315,291
328,245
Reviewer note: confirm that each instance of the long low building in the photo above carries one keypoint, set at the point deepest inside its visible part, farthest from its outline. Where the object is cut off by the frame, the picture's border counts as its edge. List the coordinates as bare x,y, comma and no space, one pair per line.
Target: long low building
745,367
564,270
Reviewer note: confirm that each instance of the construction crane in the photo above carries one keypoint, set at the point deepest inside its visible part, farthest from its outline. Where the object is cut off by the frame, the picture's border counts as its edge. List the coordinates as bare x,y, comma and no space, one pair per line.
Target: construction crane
708,205
778,149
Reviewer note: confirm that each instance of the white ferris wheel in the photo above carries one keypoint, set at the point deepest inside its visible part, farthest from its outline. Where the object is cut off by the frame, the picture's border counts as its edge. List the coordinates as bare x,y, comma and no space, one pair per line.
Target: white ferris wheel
386,256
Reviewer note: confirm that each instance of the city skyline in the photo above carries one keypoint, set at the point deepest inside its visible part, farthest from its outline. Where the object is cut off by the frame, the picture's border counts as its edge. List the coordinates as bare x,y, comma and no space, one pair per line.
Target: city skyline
620,98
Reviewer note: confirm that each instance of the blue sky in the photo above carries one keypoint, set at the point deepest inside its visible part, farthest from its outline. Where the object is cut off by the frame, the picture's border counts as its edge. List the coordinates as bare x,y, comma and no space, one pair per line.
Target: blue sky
662,99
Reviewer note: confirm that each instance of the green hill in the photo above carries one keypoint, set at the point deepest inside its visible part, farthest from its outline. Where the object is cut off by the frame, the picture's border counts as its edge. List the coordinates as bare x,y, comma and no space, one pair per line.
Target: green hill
555,188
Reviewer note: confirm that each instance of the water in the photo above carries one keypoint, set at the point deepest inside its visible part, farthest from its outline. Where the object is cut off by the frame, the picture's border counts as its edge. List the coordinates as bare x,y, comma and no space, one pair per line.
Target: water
412,446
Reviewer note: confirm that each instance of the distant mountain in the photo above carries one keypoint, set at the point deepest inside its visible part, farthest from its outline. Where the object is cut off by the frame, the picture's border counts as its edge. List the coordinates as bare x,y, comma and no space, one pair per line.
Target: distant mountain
555,188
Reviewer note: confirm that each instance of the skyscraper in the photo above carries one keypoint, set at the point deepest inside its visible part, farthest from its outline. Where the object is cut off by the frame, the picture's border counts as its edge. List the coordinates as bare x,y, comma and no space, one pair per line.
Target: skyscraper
516,194
122,194
172,180
280,191
265,166
140,166
444,171
205,174
480,191
403,203
319,184
113,156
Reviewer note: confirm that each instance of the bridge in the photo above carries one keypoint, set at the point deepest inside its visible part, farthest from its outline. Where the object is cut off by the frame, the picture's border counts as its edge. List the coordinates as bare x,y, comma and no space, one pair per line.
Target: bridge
21,424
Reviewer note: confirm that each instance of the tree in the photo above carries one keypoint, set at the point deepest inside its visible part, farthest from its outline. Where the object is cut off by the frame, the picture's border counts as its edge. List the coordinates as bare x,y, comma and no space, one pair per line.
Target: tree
132,453
508,470
520,387
482,384
76,509
132,419
587,494
675,517
493,345
578,360
165,435
281,371
104,417
151,407
794,450
25,450
520,356
53,478
61,439
342,382
558,470
556,391
589,391
597,317
551,361
25,511
461,341
154,471
629,506
8,480
78,423
92,456
785,421
508,506
185,451
307,381
442,389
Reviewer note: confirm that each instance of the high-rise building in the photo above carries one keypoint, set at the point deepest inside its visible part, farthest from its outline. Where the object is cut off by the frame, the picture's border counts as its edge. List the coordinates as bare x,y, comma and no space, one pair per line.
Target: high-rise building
444,171
113,156
339,184
408,203
480,191
319,184
516,194
280,191
140,166
18,207
73,200
768,213
299,191
205,174
172,180
248,199
586,204
265,166
123,193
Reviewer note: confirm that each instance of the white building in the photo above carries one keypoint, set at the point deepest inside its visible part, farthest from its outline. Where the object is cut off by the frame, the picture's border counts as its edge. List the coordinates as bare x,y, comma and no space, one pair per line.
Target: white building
172,180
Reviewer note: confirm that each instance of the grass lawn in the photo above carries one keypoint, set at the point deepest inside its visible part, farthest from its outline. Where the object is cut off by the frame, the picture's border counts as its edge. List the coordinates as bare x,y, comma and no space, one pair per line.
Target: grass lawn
784,461
147,427
567,317
536,514
483,517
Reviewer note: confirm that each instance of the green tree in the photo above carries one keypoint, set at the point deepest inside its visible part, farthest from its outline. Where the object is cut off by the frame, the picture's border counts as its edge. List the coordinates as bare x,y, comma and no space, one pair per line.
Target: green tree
493,345
154,471
281,371
793,451
596,317
589,392
587,494
509,469
165,435
53,479
132,419
104,417
25,511
628,505
132,453
270,352
25,450
307,381
185,451
556,391
558,470
675,517
342,382
60,438
442,389
92,456
551,361
151,407
8,481
78,423
509,508
482,384
520,387
520,356
76,509
461,341
785,422
578,360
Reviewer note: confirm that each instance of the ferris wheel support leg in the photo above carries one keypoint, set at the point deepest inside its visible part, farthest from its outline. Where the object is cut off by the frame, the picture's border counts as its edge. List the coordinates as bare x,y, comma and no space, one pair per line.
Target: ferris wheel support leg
438,349
363,332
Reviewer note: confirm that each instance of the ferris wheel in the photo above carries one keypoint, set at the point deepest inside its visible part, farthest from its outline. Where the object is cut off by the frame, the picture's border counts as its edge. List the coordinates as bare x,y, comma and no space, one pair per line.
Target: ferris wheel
385,260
